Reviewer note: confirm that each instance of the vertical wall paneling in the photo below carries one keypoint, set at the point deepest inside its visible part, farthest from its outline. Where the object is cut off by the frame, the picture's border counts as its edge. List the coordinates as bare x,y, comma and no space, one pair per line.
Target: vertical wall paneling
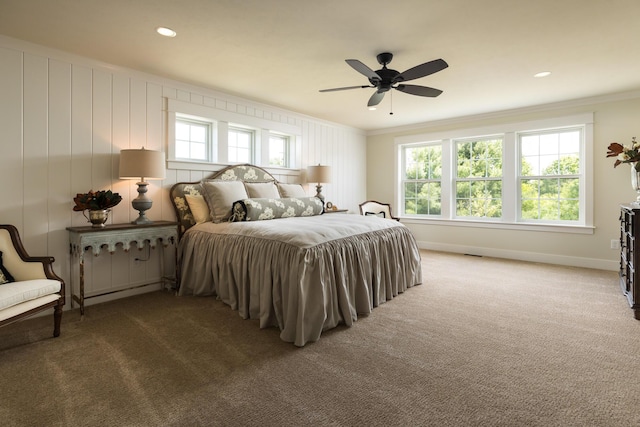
81,154
11,136
101,278
63,125
59,197
35,154
120,133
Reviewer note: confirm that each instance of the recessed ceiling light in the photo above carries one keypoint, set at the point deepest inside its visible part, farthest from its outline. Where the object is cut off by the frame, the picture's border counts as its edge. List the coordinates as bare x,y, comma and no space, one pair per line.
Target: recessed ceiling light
542,74
167,32
372,108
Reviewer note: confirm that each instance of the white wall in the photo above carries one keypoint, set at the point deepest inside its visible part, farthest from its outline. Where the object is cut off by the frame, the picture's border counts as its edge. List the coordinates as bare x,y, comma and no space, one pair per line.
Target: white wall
615,119
64,120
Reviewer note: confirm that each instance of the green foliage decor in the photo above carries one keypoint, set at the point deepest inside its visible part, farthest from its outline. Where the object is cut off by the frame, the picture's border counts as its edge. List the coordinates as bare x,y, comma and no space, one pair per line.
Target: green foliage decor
97,200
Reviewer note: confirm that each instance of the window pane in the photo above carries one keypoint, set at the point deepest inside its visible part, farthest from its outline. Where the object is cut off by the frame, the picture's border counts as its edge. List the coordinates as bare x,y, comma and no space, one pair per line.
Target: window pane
556,196
192,139
421,181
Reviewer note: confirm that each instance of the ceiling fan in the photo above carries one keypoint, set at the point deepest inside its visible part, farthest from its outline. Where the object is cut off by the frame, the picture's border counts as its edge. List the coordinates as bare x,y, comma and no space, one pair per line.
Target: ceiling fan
386,79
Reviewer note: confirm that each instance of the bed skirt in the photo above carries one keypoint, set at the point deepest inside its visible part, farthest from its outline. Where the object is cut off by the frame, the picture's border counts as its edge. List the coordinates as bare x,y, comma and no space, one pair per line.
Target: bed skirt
302,291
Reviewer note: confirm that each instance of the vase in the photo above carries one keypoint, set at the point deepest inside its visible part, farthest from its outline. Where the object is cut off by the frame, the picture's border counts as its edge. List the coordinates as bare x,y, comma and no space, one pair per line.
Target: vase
97,218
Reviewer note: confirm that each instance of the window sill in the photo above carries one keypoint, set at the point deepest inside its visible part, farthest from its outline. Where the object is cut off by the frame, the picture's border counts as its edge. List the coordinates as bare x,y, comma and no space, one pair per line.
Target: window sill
551,228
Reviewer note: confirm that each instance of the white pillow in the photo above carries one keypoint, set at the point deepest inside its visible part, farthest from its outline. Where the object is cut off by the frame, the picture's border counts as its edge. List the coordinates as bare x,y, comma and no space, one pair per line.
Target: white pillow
291,190
199,208
262,190
220,196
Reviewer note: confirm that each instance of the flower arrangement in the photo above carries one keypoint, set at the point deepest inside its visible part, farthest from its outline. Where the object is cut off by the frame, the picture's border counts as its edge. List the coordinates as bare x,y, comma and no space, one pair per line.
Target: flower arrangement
625,154
97,200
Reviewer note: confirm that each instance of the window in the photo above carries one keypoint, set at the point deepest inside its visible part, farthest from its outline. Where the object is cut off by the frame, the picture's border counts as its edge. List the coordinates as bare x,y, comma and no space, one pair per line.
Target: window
422,186
531,175
192,139
549,178
278,150
202,136
240,145
479,178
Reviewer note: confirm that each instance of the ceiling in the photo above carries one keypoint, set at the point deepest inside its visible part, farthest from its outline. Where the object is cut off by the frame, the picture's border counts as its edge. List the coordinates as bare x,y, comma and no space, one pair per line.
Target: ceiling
282,52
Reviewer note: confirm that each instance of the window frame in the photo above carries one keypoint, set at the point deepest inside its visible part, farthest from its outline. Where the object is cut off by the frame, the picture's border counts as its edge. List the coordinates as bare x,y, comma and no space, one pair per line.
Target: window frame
221,120
511,195
429,181
241,130
208,144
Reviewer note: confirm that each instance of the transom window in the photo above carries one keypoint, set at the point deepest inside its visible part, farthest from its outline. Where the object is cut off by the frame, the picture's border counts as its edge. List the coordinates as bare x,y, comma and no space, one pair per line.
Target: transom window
240,145
192,139
278,150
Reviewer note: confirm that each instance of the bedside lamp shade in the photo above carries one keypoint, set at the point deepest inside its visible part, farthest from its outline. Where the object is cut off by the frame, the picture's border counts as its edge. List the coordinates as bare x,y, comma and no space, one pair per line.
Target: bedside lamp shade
320,175
142,164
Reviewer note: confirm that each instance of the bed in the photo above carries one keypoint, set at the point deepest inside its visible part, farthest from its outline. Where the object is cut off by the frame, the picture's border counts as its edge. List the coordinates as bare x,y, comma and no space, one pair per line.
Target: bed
280,259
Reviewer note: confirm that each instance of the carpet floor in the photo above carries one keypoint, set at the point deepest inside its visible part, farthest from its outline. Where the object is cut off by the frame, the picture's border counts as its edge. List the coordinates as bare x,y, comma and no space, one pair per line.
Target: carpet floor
482,342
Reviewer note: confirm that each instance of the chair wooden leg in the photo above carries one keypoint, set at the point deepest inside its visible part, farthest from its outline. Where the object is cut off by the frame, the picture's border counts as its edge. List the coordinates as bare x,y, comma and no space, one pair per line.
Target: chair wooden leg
57,319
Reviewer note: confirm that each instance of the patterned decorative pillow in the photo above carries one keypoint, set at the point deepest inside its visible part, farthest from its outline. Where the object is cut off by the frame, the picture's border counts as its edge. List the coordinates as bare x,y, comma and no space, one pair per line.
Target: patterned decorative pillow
261,209
5,276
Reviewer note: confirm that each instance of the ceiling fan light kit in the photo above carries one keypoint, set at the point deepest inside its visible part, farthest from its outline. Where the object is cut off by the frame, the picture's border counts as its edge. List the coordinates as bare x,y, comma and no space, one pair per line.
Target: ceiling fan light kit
386,79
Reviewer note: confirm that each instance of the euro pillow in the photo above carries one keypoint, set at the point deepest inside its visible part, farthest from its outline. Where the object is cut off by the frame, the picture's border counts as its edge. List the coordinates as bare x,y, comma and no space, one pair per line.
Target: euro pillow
262,190
262,209
291,190
220,196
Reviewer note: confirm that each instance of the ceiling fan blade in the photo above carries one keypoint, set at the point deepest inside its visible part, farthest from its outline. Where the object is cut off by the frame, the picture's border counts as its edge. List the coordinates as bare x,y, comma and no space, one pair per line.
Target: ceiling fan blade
363,69
422,70
419,90
343,88
375,99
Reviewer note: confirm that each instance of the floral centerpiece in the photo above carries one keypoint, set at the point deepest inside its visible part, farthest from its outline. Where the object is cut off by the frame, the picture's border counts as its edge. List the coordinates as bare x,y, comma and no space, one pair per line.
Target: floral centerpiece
98,203
96,200
625,153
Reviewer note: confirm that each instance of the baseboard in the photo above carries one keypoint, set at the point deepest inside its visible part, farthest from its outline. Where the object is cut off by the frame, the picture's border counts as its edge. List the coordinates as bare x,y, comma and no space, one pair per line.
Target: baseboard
599,264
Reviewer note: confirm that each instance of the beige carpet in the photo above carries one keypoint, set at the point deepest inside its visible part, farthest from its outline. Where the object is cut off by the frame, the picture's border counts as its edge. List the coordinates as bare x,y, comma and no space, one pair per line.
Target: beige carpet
483,342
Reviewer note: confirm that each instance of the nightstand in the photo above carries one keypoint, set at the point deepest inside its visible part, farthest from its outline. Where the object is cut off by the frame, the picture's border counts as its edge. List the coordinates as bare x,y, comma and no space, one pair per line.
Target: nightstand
336,211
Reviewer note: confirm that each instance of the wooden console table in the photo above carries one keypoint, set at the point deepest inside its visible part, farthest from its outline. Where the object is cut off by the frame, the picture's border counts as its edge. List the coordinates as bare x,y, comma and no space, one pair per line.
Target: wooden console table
83,238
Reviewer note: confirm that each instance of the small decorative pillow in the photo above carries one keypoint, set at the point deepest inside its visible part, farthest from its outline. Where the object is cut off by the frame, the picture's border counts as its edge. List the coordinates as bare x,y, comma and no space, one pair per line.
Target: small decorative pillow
262,190
220,196
261,209
199,208
291,190
5,276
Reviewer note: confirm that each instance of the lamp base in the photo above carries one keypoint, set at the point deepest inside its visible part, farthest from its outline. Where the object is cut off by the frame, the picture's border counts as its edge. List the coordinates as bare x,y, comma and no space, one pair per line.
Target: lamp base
319,194
142,203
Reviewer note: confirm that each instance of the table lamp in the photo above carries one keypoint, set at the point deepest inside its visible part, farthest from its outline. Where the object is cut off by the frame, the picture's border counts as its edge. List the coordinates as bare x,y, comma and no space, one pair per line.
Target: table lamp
142,164
320,175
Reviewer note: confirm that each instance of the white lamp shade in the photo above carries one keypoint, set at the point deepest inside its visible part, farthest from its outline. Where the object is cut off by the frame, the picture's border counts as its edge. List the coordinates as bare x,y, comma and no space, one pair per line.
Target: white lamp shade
142,164
319,174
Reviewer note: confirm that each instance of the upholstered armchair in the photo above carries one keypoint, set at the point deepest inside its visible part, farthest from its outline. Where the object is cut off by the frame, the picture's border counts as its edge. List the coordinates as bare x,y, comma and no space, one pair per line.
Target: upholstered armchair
371,207
28,284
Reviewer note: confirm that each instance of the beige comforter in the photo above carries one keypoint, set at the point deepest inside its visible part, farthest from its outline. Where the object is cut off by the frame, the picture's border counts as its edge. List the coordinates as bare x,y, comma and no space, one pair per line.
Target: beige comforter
304,274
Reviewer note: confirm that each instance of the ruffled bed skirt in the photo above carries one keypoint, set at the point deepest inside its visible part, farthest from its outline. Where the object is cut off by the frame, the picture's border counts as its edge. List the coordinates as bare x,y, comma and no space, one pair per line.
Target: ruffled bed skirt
302,291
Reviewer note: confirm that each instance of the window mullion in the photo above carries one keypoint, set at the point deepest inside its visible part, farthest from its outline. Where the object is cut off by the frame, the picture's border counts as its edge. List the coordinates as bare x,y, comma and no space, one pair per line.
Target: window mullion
510,178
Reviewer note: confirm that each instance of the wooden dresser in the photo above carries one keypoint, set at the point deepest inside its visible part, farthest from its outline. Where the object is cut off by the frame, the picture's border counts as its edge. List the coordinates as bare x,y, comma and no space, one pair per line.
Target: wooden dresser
629,256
